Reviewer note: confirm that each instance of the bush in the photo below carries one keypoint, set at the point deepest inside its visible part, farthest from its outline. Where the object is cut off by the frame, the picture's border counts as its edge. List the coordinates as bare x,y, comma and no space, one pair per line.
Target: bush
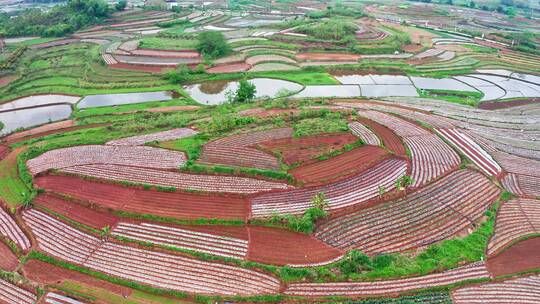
213,44
245,93
121,5
180,75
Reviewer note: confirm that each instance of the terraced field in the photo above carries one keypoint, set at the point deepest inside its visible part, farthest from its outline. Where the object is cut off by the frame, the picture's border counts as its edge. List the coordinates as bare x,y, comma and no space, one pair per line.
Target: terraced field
272,152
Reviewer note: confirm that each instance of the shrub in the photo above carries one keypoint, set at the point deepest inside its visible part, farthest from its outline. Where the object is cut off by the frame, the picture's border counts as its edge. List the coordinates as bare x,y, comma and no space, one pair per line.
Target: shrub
245,93
180,75
213,44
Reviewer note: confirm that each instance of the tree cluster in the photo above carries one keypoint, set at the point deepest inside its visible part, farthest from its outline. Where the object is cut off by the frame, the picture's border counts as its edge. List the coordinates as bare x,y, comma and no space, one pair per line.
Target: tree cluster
59,21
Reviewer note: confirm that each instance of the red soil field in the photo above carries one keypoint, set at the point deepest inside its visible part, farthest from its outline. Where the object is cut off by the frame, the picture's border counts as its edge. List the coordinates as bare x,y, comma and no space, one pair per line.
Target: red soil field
8,260
45,273
495,105
229,68
275,246
131,199
522,256
327,56
75,211
300,150
263,113
391,141
339,167
4,151
281,247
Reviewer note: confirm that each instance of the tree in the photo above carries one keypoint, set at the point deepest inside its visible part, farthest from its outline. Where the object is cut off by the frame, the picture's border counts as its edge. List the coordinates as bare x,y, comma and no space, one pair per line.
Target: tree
213,44
246,91
121,5
472,4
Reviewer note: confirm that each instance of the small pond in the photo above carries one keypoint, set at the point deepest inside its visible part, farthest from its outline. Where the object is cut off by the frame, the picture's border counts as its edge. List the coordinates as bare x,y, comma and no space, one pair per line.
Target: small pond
215,92
31,117
104,100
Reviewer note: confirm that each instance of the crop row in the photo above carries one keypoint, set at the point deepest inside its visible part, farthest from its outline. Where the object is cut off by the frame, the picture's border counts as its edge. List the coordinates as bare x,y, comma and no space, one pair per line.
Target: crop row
238,150
352,191
431,157
9,229
55,298
209,183
364,133
145,157
159,136
354,289
183,238
12,294
148,267
429,215
525,290
516,219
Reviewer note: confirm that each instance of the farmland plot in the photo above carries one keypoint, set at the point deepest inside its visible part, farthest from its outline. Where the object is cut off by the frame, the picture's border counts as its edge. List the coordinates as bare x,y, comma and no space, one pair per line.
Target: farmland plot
349,192
144,157
364,133
10,230
205,183
516,219
12,294
429,215
157,269
238,150
159,136
357,289
55,298
524,174
136,200
523,290
431,157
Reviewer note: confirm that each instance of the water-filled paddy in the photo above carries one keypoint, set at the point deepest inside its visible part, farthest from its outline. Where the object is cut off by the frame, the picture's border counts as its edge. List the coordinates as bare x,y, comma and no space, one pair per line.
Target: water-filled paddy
93,101
38,100
31,117
215,92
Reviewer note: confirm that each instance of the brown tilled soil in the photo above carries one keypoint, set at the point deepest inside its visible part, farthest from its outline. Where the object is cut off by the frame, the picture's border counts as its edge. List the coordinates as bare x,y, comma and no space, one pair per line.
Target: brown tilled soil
305,149
522,256
49,274
495,105
263,113
339,167
281,247
8,260
55,126
229,68
4,151
327,56
75,211
391,141
412,48
180,205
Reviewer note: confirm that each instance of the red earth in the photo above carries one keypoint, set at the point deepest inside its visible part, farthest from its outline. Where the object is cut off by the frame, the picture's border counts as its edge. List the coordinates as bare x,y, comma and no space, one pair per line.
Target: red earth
4,151
48,274
495,105
263,113
229,68
282,247
75,211
275,246
391,141
339,167
8,260
7,80
522,256
301,150
137,200
327,56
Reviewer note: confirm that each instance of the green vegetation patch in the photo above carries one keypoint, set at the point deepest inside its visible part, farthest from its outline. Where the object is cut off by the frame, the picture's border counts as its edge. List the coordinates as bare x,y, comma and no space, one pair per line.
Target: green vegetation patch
328,122
167,43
